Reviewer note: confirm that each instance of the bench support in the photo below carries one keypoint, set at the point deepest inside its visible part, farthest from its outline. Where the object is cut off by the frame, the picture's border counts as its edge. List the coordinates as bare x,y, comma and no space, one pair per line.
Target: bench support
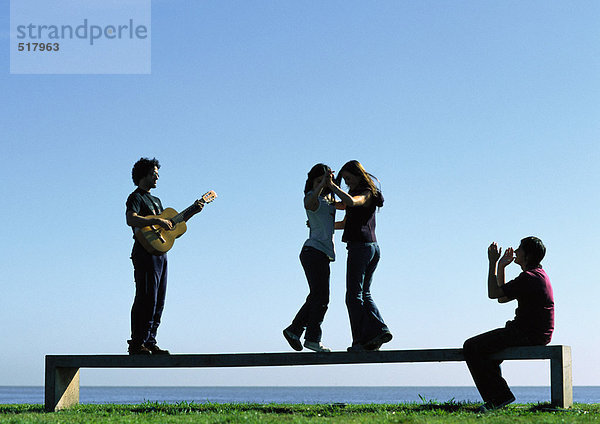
561,380
62,387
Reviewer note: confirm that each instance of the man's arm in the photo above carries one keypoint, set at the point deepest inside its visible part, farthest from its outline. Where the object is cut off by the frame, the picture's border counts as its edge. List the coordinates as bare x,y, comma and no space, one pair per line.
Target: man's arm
199,206
497,279
138,221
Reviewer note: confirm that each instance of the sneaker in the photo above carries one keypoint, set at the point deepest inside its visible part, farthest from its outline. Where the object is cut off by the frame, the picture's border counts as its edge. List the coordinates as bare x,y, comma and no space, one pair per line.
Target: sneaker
373,348
292,339
376,342
316,346
138,350
155,350
356,348
490,406
486,407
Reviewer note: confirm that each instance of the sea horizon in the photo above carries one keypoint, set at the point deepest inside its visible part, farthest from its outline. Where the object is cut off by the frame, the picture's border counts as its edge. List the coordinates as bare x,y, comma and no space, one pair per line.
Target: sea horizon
288,394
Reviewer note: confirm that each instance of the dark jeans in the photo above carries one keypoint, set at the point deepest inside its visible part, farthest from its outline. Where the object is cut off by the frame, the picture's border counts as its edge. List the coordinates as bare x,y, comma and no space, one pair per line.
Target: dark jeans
486,372
311,314
365,320
150,272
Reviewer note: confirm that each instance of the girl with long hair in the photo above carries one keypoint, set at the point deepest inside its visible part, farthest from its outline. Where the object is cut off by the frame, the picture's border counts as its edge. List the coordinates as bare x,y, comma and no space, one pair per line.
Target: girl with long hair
369,331
317,252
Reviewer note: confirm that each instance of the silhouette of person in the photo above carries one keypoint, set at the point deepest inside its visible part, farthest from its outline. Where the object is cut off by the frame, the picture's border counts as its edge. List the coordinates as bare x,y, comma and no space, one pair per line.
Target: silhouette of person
369,331
533,323
150,270
317,253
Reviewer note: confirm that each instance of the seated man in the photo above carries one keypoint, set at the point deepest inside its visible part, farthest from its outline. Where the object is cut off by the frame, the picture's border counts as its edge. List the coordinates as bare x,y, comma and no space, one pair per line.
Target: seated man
533,323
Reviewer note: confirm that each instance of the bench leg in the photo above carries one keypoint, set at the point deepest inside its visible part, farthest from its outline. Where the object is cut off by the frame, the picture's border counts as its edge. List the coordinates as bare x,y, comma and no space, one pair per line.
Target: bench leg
62,387
561,381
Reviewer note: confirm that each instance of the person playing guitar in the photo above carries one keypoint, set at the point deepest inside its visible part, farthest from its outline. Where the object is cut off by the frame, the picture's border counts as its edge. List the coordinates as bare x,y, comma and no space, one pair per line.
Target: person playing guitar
150,270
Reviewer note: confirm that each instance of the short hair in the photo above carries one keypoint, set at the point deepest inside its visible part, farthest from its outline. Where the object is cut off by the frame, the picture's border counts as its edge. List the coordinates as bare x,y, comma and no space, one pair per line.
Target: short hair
534,250
142,168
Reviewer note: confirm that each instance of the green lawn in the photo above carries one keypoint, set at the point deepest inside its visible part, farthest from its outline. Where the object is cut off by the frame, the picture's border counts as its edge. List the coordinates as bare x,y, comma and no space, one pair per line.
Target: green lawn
429,412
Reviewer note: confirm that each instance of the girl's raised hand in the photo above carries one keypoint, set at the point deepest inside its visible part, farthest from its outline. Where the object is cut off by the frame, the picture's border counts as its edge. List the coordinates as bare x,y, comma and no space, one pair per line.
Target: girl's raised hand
329,178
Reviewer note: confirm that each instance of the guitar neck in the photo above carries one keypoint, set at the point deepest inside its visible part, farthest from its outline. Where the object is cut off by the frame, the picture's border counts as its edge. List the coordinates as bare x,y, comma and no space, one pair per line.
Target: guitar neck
184,215
191,210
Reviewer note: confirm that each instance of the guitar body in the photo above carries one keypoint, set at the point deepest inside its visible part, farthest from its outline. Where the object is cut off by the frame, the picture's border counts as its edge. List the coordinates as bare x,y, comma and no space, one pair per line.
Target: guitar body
156,239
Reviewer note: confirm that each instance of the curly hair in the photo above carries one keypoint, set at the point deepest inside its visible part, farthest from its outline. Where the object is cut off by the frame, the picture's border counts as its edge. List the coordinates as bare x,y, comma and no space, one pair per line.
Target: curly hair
142,168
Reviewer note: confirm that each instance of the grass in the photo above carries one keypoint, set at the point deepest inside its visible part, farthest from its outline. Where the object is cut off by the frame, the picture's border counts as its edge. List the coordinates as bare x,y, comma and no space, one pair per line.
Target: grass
183,412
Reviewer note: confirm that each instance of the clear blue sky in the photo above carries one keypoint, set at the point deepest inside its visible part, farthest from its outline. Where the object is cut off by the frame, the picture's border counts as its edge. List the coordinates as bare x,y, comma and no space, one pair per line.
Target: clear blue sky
480,118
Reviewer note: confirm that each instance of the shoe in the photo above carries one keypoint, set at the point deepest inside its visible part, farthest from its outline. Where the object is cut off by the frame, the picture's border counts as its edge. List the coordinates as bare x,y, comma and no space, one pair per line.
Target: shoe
293,340
155,350
486,407
316,346
376,342
490,406
138,350
356,348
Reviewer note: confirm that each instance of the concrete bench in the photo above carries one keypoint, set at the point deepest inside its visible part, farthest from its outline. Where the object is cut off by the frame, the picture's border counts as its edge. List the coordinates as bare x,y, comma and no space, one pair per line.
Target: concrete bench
62,371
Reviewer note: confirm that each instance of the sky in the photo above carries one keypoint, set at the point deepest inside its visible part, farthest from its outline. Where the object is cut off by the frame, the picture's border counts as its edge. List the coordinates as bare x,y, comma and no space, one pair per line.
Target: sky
481,120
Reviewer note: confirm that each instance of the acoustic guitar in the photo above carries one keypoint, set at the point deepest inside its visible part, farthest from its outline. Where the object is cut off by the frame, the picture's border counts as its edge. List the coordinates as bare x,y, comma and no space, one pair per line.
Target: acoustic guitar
157,240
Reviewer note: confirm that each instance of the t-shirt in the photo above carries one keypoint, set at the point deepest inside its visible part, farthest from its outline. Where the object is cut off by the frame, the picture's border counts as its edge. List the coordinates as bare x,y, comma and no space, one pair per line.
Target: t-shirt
143,203
360,220
322,227
535,311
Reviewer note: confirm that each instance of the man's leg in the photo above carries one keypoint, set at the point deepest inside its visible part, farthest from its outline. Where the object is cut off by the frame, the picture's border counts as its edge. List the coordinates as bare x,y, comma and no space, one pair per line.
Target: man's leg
160,279
486,372
144,303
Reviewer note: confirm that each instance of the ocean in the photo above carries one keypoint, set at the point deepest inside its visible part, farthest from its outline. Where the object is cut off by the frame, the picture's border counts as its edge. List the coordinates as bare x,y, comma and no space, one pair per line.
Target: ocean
306,395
